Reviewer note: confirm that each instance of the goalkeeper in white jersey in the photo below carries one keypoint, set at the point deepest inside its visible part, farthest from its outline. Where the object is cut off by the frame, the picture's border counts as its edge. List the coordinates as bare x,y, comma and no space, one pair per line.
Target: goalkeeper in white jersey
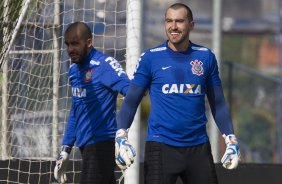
179,74
96,79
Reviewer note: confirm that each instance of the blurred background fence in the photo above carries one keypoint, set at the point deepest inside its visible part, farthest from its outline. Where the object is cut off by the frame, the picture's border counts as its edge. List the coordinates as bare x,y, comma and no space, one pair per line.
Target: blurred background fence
255,103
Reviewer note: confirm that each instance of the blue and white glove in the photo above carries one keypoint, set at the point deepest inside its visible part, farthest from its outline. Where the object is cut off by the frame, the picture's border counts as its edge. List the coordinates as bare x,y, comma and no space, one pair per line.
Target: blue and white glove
62,164
231,156
124,152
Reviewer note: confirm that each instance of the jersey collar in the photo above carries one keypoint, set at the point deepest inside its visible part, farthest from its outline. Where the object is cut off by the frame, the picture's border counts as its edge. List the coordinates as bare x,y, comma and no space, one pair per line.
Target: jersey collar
183,52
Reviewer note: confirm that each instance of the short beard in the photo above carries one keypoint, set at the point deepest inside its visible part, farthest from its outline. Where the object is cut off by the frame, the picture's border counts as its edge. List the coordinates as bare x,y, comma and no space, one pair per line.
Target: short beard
83,56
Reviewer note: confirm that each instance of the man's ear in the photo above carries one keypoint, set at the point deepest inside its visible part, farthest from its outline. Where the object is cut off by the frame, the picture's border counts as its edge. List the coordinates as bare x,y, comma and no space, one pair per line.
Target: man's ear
89,42
191,25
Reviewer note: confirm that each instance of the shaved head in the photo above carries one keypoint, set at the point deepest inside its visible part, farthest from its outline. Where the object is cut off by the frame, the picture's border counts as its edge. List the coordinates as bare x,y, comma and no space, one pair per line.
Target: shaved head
177,6
80,29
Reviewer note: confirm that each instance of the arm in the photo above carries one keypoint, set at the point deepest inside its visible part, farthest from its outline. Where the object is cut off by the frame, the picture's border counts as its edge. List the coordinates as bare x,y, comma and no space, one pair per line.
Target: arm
222,118
69,135
125,153
68,142
129,106
220,110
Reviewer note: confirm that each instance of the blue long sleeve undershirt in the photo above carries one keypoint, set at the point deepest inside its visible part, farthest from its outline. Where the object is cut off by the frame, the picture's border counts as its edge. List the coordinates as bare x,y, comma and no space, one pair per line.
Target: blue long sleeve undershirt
220,110
129,106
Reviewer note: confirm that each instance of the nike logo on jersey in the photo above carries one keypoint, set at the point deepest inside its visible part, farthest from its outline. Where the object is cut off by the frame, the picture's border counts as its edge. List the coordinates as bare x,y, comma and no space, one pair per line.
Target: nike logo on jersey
182,88
164,68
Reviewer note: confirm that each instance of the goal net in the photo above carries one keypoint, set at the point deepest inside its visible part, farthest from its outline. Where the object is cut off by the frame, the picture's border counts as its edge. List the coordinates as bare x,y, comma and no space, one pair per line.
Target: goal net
35,96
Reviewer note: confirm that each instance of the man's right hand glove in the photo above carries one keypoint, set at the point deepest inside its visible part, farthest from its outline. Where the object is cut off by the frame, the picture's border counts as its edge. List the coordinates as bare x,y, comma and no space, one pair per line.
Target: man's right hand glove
231,156
62,164
124,152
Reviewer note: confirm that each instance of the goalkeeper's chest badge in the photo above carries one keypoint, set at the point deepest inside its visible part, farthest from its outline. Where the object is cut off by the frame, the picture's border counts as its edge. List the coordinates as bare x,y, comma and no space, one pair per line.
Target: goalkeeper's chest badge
88,75
197,67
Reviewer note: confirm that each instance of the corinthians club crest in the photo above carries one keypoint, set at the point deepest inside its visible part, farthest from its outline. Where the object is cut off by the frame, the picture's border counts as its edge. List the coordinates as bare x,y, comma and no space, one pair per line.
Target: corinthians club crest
88,75
197,67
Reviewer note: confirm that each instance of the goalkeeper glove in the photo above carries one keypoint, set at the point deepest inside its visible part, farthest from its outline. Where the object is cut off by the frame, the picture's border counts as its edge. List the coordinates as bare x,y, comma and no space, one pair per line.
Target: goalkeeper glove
124,152
231,156
62,164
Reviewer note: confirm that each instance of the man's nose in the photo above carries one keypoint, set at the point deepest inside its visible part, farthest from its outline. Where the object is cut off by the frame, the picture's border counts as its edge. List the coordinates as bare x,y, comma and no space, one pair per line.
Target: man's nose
69,49
173,25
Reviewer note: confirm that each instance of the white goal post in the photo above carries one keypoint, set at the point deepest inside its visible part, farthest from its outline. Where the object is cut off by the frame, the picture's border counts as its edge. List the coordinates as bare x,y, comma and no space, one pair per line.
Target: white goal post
35,98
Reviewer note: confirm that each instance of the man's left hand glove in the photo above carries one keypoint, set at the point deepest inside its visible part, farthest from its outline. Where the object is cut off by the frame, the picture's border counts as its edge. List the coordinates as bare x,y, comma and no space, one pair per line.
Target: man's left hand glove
62,164
231,156
124,152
